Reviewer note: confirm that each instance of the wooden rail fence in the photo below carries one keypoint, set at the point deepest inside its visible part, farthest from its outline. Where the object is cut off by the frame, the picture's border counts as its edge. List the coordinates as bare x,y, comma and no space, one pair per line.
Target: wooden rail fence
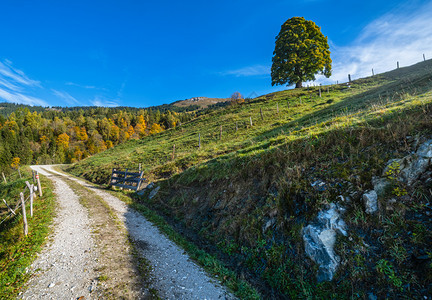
21,202
127,179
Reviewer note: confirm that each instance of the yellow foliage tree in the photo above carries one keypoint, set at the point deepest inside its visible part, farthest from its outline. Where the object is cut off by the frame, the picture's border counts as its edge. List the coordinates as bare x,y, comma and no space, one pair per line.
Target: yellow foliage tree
43,139
63,141
156,128
139,130
15,162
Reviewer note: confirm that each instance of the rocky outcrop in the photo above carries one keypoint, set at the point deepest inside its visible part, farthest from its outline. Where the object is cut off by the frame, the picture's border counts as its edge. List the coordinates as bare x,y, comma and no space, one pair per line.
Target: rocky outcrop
412,166
406,170
371,201
320,238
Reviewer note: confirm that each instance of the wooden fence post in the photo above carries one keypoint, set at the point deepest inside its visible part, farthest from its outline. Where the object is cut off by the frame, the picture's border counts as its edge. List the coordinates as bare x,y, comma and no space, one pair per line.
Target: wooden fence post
10,208
250,119
320,90
262,117
199,140
398,65
24,214
173,152
349,78
139,167
31,190
19,172
38,184
4,178
31,200
288,103
424,57
373,74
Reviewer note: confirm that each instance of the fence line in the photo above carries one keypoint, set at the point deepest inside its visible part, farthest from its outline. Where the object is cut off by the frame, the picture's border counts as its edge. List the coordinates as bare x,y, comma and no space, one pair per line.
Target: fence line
21,202
215,131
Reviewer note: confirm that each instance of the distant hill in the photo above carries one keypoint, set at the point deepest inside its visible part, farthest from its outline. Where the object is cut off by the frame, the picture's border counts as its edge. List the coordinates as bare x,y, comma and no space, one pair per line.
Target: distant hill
188,105
201,102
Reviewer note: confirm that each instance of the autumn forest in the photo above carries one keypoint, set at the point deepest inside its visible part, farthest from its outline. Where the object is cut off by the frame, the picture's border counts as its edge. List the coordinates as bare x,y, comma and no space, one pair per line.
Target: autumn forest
67,135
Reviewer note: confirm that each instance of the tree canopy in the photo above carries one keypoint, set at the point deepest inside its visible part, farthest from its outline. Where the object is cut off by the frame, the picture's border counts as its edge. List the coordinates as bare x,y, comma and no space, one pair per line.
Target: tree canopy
301,52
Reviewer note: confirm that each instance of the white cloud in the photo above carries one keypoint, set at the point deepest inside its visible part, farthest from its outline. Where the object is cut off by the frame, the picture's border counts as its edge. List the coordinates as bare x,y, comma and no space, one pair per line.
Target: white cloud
402,35
15,85
100,101
81,86
21,98
65,96
16,75
256,70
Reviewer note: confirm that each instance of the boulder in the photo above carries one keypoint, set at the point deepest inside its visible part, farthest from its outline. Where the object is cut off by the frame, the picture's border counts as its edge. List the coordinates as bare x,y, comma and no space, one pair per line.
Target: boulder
154,192
371,201
425,150
319,185
380,185
413,168
320,238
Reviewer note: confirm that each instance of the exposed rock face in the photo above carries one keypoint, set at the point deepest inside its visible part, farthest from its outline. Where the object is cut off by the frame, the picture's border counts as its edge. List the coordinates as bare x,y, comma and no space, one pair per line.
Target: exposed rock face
412,166
425,150
320,237
371,201
380,185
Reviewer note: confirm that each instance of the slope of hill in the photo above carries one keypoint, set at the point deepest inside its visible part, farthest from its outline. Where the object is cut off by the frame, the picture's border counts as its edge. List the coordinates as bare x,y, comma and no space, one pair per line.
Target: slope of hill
201,102
266,169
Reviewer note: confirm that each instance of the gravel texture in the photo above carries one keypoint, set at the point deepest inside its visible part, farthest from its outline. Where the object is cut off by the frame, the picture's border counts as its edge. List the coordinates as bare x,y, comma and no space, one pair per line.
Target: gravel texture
175,275
65,268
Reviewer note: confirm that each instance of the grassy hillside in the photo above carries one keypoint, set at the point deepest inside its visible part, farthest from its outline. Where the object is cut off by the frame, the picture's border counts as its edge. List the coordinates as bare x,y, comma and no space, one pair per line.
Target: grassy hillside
248,191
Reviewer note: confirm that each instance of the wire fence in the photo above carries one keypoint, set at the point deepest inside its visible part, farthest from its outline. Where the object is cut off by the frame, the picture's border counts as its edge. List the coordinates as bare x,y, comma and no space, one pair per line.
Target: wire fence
213,133
20,206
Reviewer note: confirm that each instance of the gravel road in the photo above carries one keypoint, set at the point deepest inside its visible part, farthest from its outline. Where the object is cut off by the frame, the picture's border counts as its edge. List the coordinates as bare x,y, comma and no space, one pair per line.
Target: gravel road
175,275
65,268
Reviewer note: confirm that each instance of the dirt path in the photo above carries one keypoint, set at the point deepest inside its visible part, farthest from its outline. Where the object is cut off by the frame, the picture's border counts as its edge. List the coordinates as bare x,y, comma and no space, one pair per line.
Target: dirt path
174,275
65,268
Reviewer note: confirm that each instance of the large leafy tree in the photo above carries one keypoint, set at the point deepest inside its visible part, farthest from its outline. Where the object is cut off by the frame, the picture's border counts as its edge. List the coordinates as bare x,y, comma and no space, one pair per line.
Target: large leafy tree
301,52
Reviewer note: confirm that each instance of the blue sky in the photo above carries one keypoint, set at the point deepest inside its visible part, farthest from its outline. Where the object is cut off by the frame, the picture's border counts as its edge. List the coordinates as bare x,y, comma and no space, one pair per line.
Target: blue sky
145,53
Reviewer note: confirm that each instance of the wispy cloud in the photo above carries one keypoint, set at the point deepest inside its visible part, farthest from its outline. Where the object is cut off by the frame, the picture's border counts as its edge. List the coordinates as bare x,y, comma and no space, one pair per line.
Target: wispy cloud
16,75
256,70
402,35
101,101
81,86
21,98
15,85
65,96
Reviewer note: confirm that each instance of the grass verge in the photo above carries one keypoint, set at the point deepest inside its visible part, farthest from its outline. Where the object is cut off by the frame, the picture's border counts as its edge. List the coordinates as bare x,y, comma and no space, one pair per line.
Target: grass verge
17,252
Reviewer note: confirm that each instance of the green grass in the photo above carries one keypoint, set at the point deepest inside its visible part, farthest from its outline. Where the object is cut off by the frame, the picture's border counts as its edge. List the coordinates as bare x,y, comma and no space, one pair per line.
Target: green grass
227,190
17,252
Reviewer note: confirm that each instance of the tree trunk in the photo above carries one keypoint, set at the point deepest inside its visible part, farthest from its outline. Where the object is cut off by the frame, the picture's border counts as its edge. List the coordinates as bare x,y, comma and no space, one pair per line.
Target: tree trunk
298,85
